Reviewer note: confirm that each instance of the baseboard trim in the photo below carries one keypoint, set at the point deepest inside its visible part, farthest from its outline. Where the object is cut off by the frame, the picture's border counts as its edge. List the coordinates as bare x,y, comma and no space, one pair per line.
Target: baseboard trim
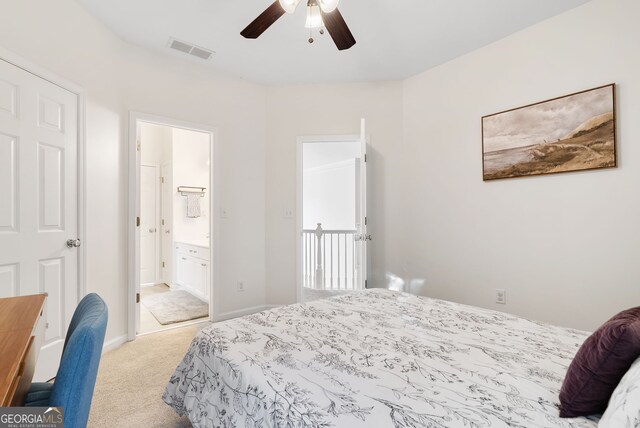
114,343
272,306
240,313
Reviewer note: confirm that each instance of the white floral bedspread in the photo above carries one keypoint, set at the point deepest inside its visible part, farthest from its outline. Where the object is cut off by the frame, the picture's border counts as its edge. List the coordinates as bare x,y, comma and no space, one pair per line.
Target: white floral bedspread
376,358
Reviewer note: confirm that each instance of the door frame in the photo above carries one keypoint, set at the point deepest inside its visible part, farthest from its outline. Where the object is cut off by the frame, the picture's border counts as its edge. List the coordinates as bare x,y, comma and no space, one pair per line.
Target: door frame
133,244
38,71
300,141
157,276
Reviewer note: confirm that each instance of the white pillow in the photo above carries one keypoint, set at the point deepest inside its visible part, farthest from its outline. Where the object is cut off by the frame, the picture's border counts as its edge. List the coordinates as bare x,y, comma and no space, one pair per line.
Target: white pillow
623,410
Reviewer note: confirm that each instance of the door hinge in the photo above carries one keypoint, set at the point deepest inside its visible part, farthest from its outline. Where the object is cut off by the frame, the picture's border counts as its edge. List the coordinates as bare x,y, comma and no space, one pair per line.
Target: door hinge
162,180
365,221
163,222
365,283
365,157
138,297
138,146
138,221
162,264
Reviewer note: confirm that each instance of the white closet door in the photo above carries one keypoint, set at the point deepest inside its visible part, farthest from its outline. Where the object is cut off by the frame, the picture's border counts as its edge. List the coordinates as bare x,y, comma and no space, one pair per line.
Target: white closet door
166,225
38,190
149,211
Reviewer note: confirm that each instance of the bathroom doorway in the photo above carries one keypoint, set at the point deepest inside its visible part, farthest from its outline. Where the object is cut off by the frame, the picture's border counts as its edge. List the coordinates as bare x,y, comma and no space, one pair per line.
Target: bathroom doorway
173,228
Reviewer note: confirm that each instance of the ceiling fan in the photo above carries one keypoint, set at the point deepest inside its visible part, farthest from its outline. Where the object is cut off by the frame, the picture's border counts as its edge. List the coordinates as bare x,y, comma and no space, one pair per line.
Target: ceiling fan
320,13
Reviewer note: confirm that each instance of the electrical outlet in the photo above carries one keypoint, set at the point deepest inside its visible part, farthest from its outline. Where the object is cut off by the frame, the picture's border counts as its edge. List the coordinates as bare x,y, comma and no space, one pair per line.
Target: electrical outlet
240,286
288,212
501,296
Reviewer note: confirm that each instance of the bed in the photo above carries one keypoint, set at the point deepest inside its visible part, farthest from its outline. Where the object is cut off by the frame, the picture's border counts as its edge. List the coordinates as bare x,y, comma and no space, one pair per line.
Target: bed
376,358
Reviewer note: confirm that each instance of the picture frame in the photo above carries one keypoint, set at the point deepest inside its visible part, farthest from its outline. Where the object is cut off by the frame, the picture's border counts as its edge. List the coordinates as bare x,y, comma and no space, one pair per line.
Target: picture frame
574,132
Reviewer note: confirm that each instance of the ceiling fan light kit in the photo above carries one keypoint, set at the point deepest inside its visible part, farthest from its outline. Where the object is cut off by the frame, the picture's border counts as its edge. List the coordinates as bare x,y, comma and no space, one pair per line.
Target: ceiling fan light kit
320,14
289,6
328,6
314,17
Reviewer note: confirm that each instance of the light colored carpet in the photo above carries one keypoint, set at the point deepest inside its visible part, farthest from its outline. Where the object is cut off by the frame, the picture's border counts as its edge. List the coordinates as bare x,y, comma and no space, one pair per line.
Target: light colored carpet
131,381
175,306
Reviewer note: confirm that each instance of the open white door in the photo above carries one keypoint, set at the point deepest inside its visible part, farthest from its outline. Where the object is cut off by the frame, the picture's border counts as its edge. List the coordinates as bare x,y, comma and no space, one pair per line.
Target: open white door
332,220
39,208
149,218
166,224
361,210
136,231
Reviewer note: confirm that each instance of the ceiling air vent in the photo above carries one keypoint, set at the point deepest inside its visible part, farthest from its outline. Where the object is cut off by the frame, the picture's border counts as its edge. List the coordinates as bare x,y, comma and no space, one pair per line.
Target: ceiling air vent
190,49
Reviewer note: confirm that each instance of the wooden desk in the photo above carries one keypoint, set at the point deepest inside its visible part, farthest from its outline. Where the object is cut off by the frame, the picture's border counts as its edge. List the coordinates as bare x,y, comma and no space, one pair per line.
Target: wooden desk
21,334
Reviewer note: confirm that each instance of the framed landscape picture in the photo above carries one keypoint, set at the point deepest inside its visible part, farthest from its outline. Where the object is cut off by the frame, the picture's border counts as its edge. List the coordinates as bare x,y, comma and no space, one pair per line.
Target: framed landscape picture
570,133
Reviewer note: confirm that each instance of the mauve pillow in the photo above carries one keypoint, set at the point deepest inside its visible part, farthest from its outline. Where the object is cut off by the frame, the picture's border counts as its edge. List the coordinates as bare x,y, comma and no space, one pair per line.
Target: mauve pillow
599,365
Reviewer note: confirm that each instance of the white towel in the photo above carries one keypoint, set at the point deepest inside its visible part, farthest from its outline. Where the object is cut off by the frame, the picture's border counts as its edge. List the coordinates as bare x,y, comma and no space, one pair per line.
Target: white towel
193,205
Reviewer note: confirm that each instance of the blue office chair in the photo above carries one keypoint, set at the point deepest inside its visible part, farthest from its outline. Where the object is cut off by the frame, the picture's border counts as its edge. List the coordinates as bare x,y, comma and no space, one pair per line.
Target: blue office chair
76,378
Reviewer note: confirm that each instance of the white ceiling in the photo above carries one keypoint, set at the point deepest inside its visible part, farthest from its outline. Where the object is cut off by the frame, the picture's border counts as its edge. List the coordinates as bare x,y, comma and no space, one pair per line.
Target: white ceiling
395,38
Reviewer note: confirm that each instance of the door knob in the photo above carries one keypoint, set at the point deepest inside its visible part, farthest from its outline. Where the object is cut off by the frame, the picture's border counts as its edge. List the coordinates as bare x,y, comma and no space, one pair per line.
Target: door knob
367,238
73,243
151,230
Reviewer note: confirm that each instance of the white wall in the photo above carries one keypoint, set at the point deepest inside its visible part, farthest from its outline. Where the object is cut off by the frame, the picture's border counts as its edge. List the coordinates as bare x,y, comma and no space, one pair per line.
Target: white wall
329,196
155,143
309,110
61,37
329,184
319,153
564,247
190,168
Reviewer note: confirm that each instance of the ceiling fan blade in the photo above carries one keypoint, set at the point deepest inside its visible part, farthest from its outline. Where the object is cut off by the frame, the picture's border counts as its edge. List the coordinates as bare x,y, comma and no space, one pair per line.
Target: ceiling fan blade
264,21
338,29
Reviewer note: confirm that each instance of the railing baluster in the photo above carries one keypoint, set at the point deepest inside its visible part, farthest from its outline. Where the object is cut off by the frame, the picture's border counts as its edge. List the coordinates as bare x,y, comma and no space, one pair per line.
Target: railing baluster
339,235
331,261
306,259
324,261
345,261
313,272
310,244
309,261
312,253
337,283
317,251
